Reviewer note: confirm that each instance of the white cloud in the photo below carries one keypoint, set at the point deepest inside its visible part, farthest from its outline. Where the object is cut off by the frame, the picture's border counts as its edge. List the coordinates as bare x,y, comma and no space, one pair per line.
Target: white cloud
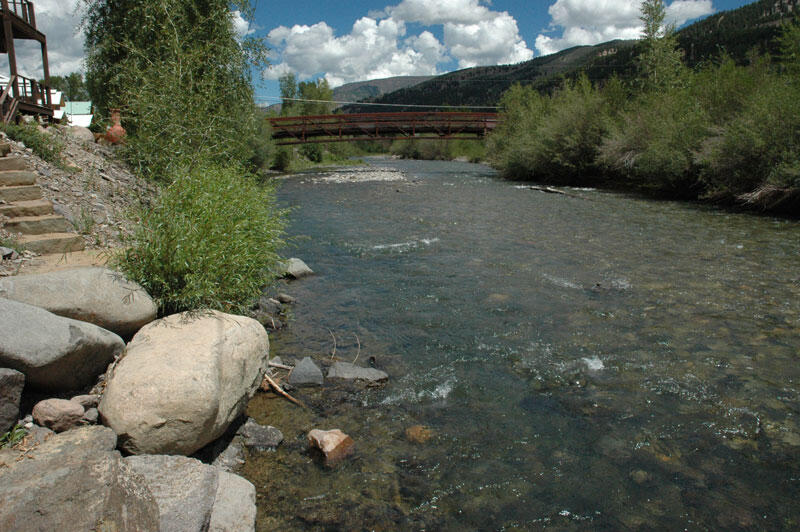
594,21
373,48
240,24
377,45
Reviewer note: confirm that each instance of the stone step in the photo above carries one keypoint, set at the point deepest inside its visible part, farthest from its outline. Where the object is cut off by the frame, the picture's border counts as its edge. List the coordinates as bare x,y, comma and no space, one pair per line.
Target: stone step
5,149
38,225
10,178
38,207
13,162
52,243
20,193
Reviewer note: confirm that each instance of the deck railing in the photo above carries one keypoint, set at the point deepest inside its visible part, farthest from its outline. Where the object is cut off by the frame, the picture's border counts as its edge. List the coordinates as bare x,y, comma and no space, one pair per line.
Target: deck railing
21,8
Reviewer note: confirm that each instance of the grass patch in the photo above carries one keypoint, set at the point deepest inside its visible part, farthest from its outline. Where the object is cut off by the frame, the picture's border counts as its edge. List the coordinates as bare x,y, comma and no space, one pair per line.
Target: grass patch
46,147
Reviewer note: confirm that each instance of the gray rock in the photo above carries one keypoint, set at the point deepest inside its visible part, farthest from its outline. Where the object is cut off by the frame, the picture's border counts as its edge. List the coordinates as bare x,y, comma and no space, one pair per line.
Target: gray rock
183,381
11,384
268,321
345,370
58,414
184,488
297,269
232,457
286,299
82,134
306,373
95,295
234,506
7,253
269,305
260,437
54,353
87,401
75,481
90,416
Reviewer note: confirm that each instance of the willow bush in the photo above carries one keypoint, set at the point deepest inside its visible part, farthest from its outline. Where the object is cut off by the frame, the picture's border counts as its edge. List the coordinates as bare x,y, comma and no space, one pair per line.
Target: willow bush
209,240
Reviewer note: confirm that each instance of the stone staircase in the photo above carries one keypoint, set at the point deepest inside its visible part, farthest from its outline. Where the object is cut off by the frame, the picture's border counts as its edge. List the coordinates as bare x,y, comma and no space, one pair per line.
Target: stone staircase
28,213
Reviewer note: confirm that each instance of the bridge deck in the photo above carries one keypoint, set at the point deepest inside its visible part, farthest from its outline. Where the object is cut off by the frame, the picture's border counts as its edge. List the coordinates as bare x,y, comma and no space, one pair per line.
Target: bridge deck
380,126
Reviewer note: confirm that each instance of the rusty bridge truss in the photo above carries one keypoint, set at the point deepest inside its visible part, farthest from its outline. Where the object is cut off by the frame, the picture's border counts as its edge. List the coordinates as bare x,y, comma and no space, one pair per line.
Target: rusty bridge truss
381,126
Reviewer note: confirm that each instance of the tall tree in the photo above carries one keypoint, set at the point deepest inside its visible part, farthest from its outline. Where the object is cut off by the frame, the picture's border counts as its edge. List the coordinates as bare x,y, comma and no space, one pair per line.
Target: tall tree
180,73
315,96
72,85
661,62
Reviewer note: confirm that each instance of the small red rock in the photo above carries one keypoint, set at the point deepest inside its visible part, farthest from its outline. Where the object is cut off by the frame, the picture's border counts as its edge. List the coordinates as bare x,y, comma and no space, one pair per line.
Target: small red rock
419,434
334,444
57,414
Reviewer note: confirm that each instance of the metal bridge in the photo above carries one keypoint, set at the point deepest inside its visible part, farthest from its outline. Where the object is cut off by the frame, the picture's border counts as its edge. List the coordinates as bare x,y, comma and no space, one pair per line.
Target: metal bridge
381,126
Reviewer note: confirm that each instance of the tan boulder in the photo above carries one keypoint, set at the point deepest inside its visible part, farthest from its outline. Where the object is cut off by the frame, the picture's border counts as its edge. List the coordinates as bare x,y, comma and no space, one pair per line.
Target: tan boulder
183,380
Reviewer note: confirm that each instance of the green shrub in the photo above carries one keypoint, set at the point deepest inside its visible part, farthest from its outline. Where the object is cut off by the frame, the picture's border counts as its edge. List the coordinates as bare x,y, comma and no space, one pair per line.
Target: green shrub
209,240
283,159
760,146
47,147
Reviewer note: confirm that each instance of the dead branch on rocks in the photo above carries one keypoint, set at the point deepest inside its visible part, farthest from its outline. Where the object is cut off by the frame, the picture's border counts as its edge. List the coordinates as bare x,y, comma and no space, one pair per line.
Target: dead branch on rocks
268,384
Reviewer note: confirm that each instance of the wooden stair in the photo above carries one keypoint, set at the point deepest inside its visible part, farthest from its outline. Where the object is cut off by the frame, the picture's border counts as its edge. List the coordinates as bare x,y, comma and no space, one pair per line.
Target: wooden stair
40,229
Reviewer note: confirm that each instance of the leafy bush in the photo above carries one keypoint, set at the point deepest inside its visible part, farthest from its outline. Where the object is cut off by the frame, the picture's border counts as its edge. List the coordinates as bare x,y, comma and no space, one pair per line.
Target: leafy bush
47,147
554,139
210,240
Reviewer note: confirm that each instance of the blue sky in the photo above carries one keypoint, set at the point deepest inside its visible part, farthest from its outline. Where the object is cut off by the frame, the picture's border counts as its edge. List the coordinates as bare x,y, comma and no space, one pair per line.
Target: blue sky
358,40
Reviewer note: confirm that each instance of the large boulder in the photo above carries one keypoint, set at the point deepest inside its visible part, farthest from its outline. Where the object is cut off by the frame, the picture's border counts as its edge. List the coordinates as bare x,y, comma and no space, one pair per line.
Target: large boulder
194,496
11,384
183,380
235,505
95,295
184,488
74,481
297,269
54,353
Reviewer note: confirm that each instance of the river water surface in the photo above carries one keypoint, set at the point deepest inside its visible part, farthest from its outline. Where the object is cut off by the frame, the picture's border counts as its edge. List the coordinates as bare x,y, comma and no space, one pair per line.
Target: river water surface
588,361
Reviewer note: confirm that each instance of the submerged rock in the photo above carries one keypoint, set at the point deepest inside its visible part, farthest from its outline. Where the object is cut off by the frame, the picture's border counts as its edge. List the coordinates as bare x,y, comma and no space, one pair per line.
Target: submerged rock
95,295
297,269
306,373
419,434
184,379
260,437
345,370
58,414
334,444
54,353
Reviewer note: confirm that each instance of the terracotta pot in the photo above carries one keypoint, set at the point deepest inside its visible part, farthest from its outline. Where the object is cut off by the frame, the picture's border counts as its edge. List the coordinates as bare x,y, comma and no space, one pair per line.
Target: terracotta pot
115,134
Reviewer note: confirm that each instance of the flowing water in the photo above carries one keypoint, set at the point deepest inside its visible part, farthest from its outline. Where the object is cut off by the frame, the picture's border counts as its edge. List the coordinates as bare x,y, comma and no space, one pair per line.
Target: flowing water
582,361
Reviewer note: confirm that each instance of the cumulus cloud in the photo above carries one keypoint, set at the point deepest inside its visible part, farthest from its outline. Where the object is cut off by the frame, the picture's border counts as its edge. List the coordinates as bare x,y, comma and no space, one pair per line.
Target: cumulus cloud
378,47
584,22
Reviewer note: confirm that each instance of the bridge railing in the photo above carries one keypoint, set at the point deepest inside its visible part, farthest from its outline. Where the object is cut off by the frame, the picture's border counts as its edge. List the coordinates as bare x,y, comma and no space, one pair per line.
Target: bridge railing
300,129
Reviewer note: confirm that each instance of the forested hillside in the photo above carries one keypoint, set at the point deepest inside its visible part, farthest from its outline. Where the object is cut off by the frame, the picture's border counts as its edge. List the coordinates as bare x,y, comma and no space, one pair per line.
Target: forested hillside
737,32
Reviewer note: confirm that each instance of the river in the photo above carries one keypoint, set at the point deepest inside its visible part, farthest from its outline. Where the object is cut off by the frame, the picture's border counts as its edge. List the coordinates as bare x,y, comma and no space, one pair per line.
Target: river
583,361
